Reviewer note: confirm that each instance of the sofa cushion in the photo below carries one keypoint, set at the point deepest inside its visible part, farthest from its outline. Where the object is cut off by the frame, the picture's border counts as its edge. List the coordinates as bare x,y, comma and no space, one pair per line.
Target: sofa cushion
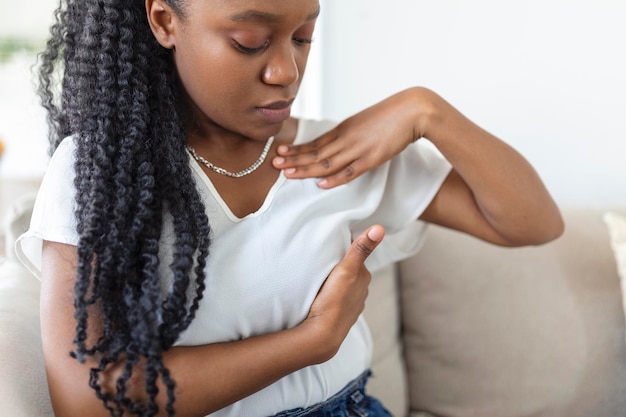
23,386
382,313
535,331
617,231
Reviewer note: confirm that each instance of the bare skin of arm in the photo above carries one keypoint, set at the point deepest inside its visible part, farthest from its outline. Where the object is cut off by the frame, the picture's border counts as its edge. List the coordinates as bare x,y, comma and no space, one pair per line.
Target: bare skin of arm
208,377
492,192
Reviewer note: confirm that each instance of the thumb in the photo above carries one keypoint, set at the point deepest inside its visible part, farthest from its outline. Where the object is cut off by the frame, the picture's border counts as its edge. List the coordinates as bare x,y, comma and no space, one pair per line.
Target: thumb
365,243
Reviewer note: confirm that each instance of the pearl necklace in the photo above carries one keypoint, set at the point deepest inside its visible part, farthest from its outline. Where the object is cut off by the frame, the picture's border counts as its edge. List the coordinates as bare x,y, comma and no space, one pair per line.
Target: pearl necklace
238,174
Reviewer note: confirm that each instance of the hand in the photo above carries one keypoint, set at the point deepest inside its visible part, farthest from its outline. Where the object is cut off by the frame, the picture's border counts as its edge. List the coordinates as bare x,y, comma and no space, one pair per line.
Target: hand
360,143
227,371
341,298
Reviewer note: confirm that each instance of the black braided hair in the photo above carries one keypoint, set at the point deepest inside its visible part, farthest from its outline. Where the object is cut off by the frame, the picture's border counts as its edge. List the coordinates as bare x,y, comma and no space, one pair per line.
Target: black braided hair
106,81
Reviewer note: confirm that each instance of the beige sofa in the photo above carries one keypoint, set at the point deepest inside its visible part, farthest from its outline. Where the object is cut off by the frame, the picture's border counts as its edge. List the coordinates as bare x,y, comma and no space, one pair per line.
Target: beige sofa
463,329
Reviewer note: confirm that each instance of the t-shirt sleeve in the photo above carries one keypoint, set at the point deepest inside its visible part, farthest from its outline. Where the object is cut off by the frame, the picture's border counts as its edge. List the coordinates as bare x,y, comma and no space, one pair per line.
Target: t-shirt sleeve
414,178
53,216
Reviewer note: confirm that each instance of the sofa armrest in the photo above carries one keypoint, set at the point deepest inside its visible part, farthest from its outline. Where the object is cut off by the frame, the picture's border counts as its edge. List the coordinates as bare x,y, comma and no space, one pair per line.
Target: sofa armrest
17,221
23,386
382,313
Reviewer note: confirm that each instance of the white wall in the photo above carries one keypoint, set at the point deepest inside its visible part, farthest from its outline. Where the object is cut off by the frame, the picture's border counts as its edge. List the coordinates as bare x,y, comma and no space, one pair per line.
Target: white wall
26,19
22,119
547,76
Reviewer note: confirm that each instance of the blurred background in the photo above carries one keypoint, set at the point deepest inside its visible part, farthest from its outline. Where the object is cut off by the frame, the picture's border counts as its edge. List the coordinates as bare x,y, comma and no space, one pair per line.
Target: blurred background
547,76
23,29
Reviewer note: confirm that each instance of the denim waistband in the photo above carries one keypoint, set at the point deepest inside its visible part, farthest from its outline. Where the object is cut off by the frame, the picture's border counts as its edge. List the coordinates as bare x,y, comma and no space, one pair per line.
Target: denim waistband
351,401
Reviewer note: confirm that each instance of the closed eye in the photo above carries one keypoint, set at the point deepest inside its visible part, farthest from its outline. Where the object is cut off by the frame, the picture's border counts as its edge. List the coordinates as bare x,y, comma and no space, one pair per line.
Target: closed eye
302,41
250,51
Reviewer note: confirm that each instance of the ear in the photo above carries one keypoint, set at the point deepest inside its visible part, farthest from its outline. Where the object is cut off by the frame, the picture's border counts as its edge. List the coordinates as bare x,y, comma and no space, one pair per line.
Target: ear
163,22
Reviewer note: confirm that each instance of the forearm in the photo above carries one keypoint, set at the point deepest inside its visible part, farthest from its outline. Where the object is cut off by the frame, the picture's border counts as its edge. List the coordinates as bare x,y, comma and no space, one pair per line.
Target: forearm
214,376
207,377
507,190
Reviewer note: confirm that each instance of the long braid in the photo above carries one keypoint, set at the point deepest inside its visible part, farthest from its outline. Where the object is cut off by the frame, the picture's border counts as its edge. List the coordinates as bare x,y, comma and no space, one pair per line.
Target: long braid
120,100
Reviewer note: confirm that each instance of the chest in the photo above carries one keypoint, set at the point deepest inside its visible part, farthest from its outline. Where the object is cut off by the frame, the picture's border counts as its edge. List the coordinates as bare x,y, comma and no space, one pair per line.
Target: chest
272,248
264,272
245,195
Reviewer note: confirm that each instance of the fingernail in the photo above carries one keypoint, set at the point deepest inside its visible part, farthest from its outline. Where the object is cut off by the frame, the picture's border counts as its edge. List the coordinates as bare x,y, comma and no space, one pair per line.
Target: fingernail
322,183
279,160
376,233
283,149
290,171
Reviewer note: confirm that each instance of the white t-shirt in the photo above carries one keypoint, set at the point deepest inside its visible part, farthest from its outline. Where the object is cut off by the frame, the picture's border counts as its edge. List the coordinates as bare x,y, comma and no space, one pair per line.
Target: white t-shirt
264,270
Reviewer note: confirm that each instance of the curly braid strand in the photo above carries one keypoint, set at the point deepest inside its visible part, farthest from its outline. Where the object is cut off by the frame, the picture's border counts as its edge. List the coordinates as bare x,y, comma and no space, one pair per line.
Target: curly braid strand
120,100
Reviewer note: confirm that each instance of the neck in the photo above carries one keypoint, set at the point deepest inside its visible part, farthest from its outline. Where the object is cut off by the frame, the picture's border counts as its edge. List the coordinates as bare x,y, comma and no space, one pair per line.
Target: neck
216,139
237,174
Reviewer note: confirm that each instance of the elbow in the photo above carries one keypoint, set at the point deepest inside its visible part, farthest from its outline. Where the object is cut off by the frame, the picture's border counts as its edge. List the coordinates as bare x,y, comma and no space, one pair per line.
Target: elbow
78,405
551,228
75,399
539,232
550,223
545,235
557,230
70,393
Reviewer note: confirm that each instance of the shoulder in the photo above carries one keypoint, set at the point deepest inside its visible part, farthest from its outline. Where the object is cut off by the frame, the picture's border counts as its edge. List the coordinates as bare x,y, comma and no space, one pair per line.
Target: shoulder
64,154
310,129
66,146
60,168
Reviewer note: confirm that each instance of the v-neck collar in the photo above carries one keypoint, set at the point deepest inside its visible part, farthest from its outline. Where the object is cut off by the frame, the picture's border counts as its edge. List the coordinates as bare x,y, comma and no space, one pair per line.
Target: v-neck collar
267,202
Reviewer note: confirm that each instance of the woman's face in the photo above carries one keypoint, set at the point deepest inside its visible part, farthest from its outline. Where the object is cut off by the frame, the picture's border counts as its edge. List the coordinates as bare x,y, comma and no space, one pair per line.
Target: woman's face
241,62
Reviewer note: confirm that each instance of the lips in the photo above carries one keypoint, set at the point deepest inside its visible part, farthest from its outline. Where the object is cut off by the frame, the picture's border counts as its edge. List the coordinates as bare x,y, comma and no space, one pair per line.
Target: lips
276,112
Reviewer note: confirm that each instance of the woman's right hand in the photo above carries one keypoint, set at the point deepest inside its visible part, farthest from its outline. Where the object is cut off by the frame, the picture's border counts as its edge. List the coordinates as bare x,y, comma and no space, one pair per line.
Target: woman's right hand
341,298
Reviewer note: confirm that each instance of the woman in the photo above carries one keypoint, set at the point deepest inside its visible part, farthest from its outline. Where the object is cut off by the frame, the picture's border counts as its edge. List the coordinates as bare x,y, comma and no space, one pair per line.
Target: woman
186,273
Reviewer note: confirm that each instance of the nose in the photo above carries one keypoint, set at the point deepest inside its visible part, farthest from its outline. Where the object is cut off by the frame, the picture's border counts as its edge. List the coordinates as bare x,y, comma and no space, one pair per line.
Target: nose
282,67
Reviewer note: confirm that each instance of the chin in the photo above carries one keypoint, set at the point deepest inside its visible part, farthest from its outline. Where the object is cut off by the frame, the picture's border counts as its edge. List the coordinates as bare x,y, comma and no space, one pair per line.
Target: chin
268,130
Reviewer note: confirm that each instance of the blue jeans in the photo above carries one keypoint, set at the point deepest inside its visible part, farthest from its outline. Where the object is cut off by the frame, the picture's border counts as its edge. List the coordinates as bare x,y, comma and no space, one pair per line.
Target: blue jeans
352,401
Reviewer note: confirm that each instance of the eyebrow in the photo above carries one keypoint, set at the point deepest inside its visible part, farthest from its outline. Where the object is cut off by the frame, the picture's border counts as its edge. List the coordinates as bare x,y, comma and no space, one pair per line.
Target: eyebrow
256,15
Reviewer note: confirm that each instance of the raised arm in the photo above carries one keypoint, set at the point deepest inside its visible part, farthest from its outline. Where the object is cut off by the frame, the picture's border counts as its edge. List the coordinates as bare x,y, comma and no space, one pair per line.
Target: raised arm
208,377
492,192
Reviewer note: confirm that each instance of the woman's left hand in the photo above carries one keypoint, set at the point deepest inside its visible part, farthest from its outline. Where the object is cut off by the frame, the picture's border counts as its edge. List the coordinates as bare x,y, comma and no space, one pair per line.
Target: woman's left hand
492,192
360,143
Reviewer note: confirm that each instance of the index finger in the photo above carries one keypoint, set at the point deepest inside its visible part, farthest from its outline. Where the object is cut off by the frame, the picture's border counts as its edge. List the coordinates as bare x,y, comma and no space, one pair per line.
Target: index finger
309,147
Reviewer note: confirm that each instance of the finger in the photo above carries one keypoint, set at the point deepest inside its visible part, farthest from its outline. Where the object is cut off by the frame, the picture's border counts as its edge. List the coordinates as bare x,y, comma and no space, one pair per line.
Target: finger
336,159
320,142
315,156
323,168
297,162
364,245
315,152
347,174
288,150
